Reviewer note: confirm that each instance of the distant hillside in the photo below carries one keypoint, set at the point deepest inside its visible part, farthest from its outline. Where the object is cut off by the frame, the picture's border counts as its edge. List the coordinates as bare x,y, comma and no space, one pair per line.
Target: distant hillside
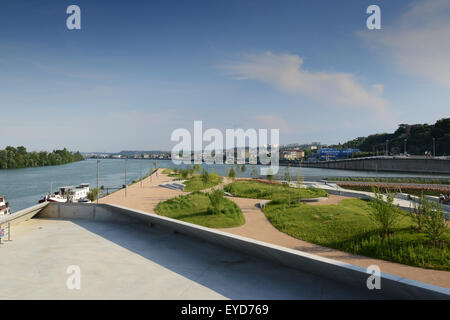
419,139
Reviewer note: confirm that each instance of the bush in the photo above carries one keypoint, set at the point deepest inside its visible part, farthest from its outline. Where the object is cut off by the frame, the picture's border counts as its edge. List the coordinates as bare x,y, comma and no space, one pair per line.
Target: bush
384,213
232,174
93,194
422,209
254,174
184,173
434,224
217,200
205,177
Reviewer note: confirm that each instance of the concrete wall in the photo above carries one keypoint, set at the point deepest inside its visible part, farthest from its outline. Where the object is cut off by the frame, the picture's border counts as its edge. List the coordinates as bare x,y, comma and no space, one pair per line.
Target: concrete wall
392,286
417,165
23,215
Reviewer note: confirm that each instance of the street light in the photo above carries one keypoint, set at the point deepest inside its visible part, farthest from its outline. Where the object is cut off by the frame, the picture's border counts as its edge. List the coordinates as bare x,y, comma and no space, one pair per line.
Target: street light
98,191
387,153
126,159
140,171
404,147
434,147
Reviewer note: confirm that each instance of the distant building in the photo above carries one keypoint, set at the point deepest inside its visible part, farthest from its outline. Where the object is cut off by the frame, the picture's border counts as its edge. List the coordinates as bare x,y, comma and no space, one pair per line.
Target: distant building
335,154
292,154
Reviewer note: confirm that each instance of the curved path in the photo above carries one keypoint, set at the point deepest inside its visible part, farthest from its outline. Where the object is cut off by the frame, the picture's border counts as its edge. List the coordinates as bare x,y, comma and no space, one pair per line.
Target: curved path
258,227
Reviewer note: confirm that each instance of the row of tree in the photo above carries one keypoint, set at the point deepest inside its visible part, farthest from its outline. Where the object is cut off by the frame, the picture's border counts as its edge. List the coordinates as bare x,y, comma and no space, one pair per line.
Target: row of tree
419,138
14,158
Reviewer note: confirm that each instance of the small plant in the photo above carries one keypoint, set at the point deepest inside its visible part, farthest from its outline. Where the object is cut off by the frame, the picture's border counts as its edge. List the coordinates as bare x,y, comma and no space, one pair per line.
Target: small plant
232,174
205,177
299,179
93,194
197,168
217,200
270,174
287,178
422,209
384,212
184,173
434,224
254,174
243,168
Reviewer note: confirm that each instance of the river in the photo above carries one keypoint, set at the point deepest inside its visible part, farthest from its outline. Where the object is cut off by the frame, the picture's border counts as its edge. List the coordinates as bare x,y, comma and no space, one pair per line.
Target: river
24,187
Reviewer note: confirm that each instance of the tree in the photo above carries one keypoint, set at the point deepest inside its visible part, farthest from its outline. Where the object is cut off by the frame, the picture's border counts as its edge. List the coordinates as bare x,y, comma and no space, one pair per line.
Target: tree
432,220
422,209
254,174
12,158
299,179
232,174
184,173
217,201
205,177
93,194
269,174
384,212
287,178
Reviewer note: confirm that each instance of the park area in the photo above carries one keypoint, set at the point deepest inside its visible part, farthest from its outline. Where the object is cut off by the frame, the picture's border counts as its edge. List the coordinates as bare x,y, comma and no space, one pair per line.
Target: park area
373,228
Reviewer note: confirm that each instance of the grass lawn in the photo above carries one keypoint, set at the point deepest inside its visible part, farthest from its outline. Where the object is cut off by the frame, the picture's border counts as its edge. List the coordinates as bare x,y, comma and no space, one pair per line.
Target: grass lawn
195,183
193,208
347,227
261,190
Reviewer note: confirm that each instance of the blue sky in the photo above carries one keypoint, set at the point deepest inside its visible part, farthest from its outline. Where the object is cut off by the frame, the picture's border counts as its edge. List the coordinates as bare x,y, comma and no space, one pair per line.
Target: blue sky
137,70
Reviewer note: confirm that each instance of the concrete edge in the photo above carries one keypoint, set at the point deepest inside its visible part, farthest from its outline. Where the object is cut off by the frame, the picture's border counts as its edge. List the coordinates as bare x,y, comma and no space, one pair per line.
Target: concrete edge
392,286
23,215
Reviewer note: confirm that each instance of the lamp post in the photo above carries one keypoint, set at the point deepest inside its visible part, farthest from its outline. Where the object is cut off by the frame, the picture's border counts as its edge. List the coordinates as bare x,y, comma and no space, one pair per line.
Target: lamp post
434,147
404,147
126,159
98,191
140,171
387,153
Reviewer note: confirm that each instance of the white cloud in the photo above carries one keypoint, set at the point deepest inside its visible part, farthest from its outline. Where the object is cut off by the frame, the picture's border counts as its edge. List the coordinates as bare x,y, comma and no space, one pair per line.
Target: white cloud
271,121
334,88
418,41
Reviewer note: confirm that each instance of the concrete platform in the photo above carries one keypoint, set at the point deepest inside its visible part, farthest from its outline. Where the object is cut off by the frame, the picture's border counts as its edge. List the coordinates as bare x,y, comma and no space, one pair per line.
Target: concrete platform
121,261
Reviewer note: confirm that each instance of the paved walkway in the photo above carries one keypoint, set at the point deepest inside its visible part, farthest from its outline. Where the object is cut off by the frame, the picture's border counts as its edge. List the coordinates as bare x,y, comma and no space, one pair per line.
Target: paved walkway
257,227
145,197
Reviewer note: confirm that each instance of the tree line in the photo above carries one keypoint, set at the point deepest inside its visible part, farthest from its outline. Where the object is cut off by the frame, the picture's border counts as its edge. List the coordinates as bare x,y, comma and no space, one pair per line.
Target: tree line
419,138
14,158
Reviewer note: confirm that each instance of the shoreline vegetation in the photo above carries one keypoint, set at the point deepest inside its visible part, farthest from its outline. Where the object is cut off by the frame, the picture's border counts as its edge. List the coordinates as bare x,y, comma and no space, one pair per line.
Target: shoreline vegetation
18,158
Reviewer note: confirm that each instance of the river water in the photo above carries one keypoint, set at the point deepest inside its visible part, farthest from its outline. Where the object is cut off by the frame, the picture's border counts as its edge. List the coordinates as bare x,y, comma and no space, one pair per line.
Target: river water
24,187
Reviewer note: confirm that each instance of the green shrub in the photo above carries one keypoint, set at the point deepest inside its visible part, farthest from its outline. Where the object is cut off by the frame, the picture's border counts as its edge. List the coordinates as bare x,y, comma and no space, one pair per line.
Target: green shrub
384,212
217,200
93,194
